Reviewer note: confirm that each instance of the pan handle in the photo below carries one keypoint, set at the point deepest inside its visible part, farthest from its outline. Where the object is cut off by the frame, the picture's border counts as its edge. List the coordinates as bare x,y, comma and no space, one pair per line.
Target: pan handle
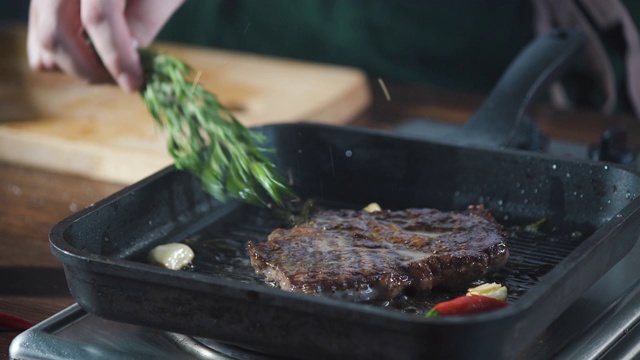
539,64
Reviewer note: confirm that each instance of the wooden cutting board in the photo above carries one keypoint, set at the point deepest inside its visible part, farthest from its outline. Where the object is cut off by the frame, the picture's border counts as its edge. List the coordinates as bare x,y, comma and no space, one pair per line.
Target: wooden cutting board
56,122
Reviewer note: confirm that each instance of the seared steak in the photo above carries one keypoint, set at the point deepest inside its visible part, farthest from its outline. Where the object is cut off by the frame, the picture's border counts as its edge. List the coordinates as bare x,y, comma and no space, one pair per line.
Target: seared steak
364,256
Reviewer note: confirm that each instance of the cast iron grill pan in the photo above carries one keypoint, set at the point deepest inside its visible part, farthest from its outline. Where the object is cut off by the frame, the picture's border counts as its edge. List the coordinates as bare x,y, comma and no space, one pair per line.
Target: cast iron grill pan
591,212
101,246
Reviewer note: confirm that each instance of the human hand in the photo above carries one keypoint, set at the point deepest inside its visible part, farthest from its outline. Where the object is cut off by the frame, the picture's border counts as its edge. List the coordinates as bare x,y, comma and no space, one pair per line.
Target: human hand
58,29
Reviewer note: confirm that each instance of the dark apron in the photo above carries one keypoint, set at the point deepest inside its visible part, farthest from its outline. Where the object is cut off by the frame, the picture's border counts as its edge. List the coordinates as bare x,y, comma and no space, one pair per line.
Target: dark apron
455,44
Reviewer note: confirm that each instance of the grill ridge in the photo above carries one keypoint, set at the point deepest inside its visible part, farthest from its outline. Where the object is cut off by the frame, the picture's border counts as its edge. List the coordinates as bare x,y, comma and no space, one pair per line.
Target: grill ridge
221,252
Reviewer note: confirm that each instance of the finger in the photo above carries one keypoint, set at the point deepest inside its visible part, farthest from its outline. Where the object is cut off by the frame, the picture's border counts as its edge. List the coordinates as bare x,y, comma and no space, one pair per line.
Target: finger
33,53
55,40
147,17
105,23
40,37
77,56
73,53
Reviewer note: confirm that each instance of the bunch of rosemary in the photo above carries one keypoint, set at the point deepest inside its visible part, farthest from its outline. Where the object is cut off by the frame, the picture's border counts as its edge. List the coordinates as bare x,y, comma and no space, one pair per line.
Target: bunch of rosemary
205,138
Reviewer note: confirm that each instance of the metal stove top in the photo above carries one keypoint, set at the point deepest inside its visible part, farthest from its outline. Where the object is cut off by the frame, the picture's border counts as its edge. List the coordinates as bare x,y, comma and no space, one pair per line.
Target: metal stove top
602,324
74,334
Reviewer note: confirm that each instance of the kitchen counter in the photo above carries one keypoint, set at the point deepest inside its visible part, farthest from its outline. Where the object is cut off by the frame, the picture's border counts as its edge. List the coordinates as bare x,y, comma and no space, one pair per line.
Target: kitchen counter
32,283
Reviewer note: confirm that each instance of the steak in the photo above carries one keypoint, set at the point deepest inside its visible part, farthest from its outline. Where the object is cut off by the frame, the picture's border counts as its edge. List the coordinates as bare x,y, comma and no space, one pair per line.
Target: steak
364,256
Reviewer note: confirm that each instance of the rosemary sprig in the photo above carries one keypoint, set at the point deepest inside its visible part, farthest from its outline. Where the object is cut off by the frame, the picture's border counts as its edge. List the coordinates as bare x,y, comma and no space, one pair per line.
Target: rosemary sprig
205,138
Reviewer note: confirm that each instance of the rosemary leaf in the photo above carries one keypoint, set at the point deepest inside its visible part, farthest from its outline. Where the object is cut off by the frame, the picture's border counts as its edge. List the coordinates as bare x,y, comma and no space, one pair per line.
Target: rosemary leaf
204,137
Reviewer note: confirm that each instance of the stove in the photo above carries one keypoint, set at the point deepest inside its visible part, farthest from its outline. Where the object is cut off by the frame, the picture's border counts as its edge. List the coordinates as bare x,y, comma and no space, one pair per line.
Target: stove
602,324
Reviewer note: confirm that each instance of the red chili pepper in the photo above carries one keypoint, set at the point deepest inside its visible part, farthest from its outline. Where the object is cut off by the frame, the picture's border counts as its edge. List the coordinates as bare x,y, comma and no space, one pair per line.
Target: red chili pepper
13,322
466,305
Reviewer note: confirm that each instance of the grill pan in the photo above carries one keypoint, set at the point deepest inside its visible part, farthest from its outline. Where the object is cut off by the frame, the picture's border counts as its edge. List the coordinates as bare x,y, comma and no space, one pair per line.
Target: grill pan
592,221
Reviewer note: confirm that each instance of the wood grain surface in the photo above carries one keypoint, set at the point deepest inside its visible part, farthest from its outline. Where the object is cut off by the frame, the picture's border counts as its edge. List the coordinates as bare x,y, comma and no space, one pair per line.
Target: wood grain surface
54,121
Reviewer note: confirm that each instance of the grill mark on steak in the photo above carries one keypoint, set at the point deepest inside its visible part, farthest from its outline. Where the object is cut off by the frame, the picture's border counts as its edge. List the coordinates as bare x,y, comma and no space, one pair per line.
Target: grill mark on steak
362,256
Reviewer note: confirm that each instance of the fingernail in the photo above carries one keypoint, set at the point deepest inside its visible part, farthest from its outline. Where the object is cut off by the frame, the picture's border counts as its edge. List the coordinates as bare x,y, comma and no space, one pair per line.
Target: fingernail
127,82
